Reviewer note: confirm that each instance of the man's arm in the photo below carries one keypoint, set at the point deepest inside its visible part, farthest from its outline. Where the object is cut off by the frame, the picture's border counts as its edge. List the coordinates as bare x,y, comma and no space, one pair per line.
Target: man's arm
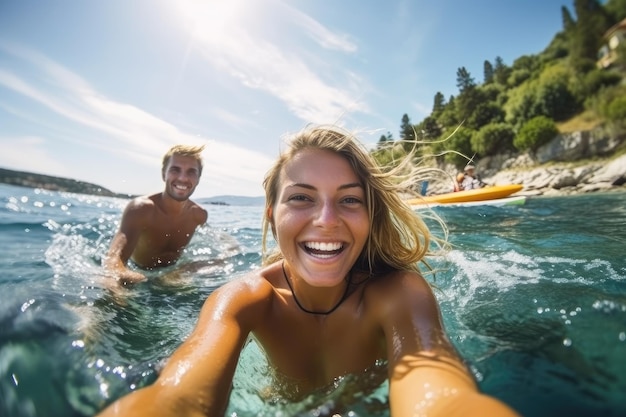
197,378
124,242
426,375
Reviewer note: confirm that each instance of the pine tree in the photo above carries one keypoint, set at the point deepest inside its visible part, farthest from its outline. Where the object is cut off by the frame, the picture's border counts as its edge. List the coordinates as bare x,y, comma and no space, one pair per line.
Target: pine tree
568,21
464,80
488,72
439,103
501,71
407,132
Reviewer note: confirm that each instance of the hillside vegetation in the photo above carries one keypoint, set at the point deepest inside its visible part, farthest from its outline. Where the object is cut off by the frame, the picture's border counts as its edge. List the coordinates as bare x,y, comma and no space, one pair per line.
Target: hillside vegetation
519,108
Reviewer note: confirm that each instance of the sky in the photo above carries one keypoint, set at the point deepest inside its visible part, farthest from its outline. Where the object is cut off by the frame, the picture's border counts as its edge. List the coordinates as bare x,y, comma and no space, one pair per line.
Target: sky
99,90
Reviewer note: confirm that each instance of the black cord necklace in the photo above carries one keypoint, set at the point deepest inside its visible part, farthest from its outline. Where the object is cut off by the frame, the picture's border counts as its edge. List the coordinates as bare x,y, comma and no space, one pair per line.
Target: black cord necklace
321,313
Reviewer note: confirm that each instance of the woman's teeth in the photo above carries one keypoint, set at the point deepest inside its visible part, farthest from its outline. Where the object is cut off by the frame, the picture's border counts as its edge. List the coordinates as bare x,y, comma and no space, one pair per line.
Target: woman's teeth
323,249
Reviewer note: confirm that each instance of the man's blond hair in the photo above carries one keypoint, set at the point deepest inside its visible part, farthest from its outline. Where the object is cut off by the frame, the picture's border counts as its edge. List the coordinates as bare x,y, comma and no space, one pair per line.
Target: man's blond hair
184,150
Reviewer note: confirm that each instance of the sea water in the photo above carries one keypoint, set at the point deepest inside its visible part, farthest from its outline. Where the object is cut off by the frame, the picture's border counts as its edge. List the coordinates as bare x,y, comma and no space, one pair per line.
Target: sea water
533,296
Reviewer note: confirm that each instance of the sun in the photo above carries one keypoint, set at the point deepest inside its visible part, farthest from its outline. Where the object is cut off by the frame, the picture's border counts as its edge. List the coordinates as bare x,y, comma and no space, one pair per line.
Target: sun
210,19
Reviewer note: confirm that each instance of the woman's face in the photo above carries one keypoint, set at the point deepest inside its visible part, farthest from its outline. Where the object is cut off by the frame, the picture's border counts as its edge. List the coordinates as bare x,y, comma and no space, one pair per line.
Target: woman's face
320,217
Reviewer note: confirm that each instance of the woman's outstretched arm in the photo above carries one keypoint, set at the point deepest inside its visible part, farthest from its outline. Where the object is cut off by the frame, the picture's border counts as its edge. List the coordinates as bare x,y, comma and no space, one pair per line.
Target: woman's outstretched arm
197,378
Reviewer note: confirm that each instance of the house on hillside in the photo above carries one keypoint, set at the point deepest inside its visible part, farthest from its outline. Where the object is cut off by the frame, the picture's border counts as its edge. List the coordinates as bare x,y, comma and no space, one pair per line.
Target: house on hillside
613,38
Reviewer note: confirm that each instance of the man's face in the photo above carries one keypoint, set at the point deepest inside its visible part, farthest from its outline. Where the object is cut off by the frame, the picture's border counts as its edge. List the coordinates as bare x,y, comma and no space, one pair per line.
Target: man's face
181,177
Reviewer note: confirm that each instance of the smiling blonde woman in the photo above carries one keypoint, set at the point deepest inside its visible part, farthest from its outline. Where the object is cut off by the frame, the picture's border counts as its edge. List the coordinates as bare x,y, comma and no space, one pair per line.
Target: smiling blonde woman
340,292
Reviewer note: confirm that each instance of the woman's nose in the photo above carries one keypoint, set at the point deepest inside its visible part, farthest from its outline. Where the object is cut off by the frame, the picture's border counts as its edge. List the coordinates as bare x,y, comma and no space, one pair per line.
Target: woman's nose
327,215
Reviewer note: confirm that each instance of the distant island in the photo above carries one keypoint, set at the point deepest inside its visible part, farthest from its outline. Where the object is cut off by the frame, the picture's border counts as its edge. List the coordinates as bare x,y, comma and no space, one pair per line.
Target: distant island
48,182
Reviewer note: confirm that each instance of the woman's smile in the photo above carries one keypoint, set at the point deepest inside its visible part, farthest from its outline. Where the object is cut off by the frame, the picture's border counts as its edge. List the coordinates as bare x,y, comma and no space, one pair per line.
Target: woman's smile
323,249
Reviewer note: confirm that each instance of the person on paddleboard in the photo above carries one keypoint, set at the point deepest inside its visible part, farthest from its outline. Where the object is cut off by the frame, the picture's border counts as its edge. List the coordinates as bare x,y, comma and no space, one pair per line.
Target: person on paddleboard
471,180
340,293
155,229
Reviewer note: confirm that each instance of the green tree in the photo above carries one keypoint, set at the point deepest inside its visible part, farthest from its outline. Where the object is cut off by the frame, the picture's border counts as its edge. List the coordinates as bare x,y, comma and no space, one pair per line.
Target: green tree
487,72
485,113
384,141
460,147
493,138
616,9
569,24
616,110
536,132
556,101
439,104
464,80
407,133
449,117
429,128
501,71
518,77
585,40
526,62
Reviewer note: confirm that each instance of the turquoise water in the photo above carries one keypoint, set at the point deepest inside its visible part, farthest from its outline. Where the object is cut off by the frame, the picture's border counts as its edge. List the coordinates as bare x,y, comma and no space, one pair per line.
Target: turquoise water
533,296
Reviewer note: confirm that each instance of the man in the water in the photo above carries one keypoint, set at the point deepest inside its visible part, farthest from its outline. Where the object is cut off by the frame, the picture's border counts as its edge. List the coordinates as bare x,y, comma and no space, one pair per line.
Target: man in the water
155,229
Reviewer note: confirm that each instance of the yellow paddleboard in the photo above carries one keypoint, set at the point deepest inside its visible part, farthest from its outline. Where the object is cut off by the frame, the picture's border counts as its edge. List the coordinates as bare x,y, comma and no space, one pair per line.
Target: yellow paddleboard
480,194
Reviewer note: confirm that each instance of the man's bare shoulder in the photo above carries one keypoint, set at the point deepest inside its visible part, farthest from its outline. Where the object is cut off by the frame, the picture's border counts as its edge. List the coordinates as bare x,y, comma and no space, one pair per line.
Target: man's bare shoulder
143,202
140,206
199,213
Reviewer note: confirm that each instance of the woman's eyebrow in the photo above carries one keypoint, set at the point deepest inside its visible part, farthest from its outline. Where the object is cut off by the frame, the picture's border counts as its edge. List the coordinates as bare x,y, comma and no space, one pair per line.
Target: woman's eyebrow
351,185
341,187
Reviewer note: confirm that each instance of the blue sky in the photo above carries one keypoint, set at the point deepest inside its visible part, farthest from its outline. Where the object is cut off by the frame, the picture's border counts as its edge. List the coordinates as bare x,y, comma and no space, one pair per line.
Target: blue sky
99,90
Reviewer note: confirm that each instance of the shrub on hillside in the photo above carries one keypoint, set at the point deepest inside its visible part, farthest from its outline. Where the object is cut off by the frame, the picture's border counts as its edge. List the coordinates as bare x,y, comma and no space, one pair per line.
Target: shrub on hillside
493,138
593,81
554,99
616,110
536,132
458,146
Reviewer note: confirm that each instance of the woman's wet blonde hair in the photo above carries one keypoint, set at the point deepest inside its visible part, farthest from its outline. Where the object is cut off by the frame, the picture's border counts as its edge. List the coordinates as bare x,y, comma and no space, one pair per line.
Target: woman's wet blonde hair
399,239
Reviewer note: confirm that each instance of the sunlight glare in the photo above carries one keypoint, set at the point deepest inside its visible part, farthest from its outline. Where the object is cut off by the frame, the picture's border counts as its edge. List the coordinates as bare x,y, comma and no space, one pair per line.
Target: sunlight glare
210,19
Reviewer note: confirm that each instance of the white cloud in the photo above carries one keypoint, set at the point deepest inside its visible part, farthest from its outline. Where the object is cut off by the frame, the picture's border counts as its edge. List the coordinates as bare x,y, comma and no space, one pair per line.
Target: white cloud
38,160
248,55
319,33
114,127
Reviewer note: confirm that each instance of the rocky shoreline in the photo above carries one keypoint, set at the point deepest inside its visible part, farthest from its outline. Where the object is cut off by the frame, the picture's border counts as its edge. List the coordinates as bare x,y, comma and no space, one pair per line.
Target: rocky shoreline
572,163
556,178
565,178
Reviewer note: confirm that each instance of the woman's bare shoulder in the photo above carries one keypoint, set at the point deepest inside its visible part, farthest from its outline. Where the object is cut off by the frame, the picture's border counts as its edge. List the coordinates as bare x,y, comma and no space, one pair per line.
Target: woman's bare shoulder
249,291
398,289
398,281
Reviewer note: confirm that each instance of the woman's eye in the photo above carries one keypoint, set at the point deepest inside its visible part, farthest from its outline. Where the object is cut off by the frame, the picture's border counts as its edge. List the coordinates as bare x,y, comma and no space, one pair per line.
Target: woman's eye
352,200
299,197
